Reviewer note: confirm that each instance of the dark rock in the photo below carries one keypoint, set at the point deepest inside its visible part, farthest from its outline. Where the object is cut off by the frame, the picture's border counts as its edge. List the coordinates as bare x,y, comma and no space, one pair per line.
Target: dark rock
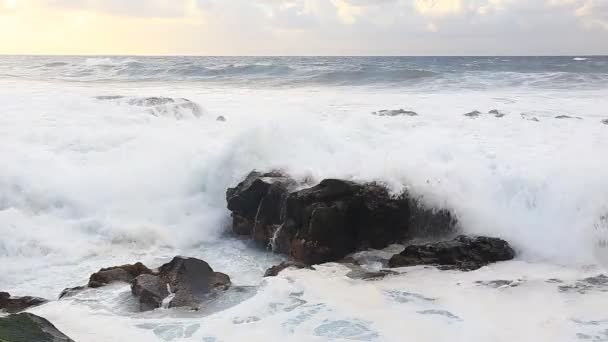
124,273
598,283
25,327
71,291
337,217
17,304
568,117
605,121
330,220
464,253
473,114
189,281
529,117
359,273
394,112
256,204
275,270
220,118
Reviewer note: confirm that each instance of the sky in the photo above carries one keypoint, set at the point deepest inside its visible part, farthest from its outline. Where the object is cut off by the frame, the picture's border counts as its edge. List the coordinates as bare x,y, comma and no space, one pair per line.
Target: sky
304,27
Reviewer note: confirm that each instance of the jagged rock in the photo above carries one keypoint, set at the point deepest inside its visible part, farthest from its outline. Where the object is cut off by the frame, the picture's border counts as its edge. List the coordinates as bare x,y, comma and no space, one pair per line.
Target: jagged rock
189,281
26,327
71,291
256,204
568,117
464,253
394,112
17,304
124,273
275,270
473,114
330,220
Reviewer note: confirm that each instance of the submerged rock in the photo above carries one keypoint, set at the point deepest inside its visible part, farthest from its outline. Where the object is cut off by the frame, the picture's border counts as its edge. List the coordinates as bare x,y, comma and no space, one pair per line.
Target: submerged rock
529,117
275,270
464,253
26,327
473,114
17,304
598,283
183,282
159,106
220,118
330,220
605,121
394,112
496,113
568,117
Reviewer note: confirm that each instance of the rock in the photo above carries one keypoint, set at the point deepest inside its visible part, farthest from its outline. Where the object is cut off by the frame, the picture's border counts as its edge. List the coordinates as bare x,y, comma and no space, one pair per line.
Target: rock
159,106
26,327
473,114
394,112
124,273
189,281
71,291
256,204
464,253
220,118
598,283
359,273
17,304
328,221
605,121
529,117
496,113
568,117
500,284
275,270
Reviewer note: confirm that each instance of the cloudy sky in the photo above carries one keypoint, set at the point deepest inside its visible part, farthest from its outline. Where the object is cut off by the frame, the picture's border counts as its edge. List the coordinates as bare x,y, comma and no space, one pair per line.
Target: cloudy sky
304,27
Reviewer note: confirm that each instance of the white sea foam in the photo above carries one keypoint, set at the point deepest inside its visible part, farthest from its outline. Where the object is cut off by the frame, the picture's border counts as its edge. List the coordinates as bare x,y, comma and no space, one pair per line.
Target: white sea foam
86,184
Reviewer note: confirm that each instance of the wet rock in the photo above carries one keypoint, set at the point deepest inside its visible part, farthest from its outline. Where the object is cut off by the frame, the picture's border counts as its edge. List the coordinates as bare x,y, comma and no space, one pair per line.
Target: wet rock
605,121
463,253
17,304
220,118
359,273
159,106
497,284
124,273
330,220
473,114
568,117
529,117
256,204
336,217
183,282
71,291
275,270
26,327
598,283
394,112
497,113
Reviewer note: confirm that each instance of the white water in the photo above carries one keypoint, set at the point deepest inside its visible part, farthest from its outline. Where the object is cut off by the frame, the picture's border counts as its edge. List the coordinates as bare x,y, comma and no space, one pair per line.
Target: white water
86,184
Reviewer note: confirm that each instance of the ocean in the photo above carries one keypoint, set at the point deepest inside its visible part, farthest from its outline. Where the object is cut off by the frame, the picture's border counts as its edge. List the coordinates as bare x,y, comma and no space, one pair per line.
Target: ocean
113,160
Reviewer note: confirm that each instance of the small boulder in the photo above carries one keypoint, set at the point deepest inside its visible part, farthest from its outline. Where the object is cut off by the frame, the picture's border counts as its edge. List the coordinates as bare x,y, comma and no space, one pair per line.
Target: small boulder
605,121
275,270
464,253
26,327
124,273
220,118
189,281
473,114
17,304
395,112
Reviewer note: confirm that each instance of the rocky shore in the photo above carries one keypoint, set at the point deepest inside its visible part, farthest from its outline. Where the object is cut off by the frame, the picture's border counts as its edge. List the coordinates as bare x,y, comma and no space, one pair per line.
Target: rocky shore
311,225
